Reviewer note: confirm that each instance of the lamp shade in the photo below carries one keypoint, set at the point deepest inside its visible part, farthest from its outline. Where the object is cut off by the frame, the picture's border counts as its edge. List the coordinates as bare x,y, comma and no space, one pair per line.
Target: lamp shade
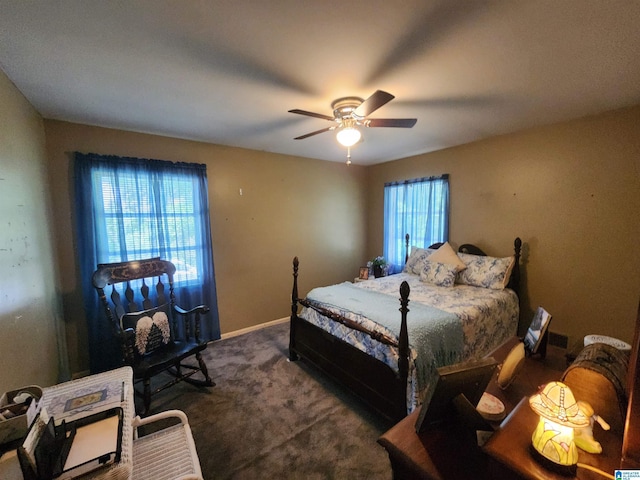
559,415
348,136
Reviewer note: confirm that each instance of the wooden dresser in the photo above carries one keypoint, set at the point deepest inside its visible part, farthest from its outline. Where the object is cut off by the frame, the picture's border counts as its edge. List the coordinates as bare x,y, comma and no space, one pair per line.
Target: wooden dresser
509,455
451,451
508,449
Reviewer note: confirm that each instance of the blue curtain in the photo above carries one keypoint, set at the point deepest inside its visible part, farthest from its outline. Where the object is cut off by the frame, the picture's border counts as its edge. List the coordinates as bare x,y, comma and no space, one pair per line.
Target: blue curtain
418,207
131,208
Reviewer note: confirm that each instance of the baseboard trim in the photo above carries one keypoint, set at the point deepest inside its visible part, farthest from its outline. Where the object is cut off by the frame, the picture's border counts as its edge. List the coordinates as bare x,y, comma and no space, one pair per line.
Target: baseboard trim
253,328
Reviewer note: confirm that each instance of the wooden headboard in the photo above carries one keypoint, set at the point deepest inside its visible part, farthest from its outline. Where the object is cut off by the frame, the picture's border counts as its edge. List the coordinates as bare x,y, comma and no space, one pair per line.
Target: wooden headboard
514,280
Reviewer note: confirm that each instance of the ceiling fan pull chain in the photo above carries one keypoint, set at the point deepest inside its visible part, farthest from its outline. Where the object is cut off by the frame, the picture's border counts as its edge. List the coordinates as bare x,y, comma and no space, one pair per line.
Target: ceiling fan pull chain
348,155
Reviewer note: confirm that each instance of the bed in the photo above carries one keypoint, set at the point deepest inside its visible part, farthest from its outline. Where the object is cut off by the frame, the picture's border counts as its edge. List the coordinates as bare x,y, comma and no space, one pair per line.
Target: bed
355,334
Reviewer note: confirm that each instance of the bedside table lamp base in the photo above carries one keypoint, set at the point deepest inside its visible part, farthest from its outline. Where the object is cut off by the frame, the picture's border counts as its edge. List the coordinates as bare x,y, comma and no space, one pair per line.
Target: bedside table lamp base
567,470
559,414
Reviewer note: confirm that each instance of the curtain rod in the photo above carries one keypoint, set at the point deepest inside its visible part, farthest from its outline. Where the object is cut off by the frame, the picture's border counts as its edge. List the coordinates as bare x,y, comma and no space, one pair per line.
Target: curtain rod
416,180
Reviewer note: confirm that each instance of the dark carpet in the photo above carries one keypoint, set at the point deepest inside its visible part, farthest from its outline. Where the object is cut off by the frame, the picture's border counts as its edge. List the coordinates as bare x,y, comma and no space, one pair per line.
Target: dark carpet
268,418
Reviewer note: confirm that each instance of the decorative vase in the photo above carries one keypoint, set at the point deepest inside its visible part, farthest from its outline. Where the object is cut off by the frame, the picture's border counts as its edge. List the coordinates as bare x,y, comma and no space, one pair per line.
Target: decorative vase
377,271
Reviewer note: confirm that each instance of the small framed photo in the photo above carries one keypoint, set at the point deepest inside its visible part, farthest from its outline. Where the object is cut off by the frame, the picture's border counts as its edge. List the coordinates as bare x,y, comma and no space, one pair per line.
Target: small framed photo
537,329
364,273
456,391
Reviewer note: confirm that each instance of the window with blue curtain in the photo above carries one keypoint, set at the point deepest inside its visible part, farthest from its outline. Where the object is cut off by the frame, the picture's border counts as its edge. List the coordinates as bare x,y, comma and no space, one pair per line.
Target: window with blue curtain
419,207
131,209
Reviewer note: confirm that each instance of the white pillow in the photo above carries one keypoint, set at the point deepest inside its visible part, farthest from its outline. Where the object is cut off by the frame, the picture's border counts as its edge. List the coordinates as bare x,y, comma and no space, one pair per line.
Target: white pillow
440,274
446,254
487,272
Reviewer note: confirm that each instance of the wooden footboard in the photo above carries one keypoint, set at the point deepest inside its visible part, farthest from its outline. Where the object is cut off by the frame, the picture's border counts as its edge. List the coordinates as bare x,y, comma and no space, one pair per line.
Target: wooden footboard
377,384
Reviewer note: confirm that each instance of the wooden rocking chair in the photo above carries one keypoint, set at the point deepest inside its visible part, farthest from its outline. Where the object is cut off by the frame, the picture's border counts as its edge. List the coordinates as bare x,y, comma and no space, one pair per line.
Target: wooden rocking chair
155,334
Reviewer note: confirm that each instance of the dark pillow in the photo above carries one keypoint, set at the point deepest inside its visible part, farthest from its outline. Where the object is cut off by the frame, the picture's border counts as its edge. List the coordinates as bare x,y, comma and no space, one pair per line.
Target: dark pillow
151,326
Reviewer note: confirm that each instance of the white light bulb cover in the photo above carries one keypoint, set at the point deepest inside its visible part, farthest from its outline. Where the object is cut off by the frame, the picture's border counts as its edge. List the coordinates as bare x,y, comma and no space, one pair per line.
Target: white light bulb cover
348,136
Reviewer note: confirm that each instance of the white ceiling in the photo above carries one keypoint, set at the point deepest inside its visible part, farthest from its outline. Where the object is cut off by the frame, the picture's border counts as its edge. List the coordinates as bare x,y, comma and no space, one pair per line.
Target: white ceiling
227,72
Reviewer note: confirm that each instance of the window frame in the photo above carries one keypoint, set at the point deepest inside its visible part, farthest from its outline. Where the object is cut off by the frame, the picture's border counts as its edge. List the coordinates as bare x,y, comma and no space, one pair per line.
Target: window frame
418,207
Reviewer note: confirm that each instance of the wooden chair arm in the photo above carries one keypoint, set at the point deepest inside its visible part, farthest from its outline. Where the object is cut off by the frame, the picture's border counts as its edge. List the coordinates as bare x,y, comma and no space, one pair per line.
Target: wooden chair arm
199,309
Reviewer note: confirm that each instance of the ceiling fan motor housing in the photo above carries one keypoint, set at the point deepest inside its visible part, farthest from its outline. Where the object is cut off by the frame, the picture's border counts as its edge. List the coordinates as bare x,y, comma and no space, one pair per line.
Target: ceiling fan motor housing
343,107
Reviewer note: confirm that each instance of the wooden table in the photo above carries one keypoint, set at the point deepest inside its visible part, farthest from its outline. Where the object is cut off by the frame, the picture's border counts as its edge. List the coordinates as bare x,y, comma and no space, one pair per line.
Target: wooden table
509,454
452,451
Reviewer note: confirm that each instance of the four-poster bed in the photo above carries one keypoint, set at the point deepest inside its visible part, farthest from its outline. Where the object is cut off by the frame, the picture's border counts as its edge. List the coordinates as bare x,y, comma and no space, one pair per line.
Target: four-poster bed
381,356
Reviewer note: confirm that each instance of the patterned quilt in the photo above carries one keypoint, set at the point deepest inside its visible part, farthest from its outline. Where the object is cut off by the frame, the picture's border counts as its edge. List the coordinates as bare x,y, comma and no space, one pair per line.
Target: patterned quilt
486,317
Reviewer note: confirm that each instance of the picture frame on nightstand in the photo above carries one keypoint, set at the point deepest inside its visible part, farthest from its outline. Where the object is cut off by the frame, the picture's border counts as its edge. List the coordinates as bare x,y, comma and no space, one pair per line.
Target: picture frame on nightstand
536,332
364,273
456,392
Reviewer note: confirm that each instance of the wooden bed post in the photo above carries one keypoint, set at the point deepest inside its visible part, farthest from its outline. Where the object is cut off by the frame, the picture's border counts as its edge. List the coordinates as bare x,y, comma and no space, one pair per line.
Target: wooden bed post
294,311
406,248
403,340
514,283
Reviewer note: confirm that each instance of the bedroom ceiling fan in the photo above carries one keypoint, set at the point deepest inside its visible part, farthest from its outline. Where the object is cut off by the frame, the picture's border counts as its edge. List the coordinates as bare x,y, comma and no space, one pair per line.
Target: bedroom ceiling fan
350,114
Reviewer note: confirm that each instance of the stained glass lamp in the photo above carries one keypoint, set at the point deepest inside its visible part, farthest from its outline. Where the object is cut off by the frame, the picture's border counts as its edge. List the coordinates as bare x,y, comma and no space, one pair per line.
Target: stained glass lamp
559,413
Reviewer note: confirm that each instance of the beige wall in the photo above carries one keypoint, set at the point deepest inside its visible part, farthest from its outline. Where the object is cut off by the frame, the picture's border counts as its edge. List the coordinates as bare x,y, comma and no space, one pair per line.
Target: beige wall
289,206
571,191
29,308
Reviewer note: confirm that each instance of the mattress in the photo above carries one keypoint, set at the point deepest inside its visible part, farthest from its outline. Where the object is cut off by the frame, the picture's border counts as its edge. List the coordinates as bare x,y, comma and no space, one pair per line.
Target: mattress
486,319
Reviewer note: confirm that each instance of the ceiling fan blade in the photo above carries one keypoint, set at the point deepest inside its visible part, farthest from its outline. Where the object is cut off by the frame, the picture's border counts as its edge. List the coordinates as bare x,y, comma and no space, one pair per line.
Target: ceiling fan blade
312,114
391,122
374,102
302,137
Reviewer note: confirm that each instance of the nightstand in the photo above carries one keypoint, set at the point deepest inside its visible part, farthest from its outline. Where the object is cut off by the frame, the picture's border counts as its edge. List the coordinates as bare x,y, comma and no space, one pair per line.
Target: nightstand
451,451
509,455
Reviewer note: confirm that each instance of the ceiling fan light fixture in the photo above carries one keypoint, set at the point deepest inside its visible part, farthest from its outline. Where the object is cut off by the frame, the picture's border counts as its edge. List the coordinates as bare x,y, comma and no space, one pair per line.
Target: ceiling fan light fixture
348,136
350,113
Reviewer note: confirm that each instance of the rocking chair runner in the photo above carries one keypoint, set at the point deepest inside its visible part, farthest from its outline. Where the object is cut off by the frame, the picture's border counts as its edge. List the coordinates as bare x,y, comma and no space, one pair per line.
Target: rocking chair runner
150,334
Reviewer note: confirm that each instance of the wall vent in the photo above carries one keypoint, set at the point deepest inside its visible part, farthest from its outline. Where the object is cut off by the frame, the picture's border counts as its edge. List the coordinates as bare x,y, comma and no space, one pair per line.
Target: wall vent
558,340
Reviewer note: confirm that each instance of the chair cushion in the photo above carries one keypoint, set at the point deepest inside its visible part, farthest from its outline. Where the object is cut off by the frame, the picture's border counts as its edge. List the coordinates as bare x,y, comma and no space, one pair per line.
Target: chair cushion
151,327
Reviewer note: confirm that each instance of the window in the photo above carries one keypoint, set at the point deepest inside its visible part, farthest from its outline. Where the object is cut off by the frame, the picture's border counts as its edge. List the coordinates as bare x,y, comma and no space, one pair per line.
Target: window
419,207
147,216
131,208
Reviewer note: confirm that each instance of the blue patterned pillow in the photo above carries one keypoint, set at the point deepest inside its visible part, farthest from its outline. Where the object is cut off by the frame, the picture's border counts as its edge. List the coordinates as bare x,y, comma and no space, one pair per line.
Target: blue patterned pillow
441,274
416,260
487,272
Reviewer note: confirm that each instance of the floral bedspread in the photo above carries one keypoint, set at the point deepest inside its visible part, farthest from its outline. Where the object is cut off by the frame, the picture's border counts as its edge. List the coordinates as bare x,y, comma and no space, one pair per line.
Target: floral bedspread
488,318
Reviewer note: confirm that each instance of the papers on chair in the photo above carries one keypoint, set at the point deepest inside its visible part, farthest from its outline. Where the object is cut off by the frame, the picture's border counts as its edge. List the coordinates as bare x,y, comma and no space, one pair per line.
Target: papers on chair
72,449
94,445
27,451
